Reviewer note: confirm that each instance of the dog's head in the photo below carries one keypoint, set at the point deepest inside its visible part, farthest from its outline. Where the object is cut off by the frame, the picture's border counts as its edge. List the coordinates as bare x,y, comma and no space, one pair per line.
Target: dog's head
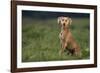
64,21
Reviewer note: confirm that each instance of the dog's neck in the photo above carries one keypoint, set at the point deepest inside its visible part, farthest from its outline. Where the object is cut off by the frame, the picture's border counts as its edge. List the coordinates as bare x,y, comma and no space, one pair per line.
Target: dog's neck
65,28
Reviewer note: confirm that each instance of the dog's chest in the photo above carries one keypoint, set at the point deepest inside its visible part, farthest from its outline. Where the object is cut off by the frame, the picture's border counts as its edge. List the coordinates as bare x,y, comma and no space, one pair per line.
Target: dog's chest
62,35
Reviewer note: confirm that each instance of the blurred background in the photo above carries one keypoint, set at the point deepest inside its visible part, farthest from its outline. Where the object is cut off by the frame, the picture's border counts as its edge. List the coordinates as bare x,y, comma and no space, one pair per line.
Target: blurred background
50,15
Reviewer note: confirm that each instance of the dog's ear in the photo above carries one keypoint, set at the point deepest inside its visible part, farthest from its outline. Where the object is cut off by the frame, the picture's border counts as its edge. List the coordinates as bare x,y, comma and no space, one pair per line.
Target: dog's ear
70,21
59,18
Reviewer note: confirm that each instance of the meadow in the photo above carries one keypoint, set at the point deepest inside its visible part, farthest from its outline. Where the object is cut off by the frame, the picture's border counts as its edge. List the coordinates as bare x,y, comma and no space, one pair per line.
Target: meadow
40,39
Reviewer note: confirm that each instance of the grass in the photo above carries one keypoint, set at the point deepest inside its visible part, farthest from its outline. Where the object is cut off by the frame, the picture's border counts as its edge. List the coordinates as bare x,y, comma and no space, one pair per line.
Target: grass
40,41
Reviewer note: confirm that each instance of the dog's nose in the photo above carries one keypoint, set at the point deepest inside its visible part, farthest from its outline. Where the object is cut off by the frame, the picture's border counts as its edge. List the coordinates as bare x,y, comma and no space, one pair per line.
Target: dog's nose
63,24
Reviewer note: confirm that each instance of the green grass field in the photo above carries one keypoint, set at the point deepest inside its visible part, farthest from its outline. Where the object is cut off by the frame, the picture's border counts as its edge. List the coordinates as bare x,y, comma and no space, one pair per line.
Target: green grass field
40,39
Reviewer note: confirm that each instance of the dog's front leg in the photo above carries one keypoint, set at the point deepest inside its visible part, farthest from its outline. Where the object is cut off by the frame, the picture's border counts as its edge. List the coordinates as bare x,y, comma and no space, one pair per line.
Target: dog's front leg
63,47
61,43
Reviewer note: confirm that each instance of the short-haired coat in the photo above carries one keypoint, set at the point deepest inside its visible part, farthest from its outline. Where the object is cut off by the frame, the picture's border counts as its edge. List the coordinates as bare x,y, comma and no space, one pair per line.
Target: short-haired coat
66,37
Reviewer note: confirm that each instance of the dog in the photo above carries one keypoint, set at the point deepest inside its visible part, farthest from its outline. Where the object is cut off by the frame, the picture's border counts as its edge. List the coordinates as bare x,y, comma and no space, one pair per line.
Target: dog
66,37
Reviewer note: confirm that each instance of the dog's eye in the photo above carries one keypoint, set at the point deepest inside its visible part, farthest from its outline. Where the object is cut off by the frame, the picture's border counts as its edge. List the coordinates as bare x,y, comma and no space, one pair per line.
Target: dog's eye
65,20
62,19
